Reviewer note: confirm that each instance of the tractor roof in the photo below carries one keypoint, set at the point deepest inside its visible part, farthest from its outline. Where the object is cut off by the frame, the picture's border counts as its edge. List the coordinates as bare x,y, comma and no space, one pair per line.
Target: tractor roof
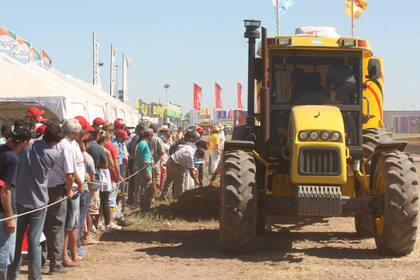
318,38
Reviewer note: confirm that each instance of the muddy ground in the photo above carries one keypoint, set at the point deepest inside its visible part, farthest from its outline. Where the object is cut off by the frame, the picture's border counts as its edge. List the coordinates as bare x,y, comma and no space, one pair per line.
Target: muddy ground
179,249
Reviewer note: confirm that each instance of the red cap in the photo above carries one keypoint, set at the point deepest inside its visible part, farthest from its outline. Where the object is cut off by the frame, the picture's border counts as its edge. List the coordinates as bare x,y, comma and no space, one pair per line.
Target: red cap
119,122
84,123
35,112
123,133
40,130
2,184
200,130
98,122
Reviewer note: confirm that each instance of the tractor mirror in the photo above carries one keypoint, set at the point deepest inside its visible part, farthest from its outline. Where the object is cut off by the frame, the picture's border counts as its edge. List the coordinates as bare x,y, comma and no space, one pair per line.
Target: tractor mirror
374,69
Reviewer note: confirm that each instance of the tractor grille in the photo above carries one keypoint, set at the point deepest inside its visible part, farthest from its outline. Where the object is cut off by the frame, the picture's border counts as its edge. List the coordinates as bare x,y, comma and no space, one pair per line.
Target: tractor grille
319,162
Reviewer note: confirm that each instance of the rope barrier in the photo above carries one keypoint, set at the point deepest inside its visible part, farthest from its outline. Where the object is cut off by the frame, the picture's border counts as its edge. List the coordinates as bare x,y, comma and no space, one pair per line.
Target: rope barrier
65,197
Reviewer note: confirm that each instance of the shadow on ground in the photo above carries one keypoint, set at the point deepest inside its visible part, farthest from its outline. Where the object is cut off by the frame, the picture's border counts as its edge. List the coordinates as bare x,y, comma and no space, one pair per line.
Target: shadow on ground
272,247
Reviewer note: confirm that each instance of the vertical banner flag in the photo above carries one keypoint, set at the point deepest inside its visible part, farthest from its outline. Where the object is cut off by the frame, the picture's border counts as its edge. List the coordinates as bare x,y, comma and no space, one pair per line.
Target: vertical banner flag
113,74
126,61
7,40
96,63
359,6
239,96
45,59
218,96
197,97
283,5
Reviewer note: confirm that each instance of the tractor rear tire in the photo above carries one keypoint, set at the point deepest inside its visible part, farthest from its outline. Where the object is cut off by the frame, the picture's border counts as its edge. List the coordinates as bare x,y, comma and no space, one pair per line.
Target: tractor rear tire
396,180
371,138
238,211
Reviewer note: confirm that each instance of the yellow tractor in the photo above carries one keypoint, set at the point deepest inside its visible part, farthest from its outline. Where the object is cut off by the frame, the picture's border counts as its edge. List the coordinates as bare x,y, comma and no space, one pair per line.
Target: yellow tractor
315,145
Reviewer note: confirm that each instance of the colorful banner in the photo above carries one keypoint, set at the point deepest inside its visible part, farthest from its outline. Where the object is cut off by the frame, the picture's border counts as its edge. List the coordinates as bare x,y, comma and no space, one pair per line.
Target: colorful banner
7,40
45,59
23,49
96,63
283,5
173,111
359,6
218,96
239,96
113,74
197,97
34,55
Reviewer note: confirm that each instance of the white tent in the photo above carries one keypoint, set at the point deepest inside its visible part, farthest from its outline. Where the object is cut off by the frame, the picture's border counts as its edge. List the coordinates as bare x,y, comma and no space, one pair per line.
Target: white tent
61,96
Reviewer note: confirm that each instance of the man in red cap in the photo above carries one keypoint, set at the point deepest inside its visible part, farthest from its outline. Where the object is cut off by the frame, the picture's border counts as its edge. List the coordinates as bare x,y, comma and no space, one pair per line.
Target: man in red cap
98,123
84,123
34,113
119,124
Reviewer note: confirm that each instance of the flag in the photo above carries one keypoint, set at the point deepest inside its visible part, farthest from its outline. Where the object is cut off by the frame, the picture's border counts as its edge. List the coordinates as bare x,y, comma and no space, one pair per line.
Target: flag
218,96
7,40
34,55
45,59
23,48
197,91
113,74
359,6
239,96
96,63
284,5
126,62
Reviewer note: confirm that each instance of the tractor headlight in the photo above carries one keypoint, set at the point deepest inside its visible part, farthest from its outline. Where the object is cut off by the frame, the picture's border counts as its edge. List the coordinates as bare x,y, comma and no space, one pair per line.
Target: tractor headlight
303,135
335,136
325,135
314,135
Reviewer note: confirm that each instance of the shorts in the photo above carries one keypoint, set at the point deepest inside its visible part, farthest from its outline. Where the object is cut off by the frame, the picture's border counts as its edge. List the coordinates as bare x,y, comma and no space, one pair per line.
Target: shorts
113,195
73,213
94,201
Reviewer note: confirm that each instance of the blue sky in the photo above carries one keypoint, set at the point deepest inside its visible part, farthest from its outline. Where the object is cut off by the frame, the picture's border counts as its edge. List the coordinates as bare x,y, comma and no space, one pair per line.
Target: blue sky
187,41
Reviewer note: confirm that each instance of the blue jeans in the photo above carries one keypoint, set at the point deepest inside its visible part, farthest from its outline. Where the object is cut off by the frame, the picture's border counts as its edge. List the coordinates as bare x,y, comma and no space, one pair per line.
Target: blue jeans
73,213
35,224
84,204
7,248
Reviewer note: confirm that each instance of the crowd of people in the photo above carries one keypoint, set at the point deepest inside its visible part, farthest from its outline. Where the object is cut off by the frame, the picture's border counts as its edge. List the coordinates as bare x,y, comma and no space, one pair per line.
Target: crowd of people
66,181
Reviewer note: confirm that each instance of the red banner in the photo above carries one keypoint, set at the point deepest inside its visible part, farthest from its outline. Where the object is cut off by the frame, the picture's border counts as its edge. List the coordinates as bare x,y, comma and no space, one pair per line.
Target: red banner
197,97
239,96
218,96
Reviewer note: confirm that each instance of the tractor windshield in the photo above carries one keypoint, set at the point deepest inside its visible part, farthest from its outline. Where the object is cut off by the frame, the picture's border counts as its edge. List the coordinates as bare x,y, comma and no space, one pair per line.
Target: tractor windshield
309,78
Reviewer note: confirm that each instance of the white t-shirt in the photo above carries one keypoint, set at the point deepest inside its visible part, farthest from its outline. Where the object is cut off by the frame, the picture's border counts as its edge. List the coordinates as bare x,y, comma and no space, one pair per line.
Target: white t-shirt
184,156
80,163
65,164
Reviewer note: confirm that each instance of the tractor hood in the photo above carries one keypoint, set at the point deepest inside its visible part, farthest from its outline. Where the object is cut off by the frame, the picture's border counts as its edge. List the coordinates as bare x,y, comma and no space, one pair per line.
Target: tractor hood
318,117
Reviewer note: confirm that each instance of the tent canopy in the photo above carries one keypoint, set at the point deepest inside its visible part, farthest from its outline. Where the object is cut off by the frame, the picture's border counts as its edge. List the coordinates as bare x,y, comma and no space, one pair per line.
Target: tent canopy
61,96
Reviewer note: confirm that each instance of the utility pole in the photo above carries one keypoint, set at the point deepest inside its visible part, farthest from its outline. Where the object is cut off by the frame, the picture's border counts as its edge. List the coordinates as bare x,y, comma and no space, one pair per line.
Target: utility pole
166,86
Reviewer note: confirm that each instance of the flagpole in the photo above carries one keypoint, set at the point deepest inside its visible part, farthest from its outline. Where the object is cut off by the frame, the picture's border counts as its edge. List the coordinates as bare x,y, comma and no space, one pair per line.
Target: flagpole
352,18
277,18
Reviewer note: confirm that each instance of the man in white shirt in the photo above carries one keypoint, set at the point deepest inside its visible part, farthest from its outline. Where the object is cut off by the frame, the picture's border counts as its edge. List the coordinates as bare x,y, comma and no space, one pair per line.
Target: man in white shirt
177,164
61,180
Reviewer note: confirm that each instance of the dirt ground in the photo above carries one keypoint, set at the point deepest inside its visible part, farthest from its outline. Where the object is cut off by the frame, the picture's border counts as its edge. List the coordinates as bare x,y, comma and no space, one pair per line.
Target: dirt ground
178,249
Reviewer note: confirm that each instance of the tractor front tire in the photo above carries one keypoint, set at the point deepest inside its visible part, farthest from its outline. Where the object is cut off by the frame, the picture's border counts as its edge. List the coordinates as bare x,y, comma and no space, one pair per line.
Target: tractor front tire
396,183
371,138
238,211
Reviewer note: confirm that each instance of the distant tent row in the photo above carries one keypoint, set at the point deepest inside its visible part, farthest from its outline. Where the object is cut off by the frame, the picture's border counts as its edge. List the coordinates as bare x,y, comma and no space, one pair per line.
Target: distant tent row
61,96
